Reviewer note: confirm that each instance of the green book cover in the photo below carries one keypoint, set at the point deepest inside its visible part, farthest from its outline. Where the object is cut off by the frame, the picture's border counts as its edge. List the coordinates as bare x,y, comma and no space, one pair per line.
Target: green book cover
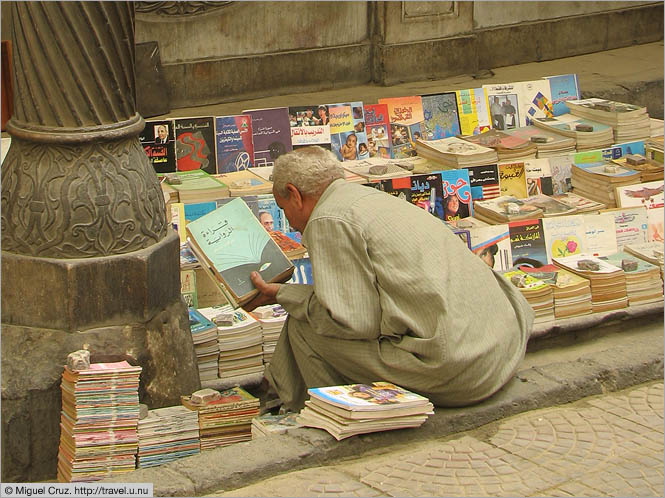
197,180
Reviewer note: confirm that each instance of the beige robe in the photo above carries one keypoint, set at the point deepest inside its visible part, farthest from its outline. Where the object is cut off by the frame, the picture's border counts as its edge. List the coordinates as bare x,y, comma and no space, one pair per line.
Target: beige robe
396,297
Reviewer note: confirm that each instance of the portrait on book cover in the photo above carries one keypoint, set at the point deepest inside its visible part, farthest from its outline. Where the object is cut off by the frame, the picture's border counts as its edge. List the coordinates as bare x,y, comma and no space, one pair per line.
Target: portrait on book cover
503,109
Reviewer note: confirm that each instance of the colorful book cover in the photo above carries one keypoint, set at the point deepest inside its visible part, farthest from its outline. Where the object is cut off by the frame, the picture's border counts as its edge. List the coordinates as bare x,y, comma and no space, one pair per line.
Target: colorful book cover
195,144
310,125
564,236
441,118
271,134
535,101
158,141
348,135
303,272
648,194
512,179
504,105
599,234
235,150
618,151
563,87
379,143
427,193
188,288
529,281
364,397
538,177
484,181
235,244
199,323
492,245
473,111
656,228
406,118
527,243
398,187
457,199
631,225
197,209
270,215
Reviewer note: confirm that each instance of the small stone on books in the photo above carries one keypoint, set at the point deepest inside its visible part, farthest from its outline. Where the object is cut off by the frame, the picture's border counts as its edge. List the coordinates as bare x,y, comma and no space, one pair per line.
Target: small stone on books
584,127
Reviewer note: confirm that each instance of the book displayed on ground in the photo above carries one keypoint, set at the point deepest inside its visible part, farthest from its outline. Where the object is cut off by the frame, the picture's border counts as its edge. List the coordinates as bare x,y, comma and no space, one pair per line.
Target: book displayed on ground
204,337
598,180
457,200
564,236
504,106
538,177
535,100
310,125
561,173
508,147
232,243
235,149
651,252
441,119
588,134
538,294
267,424
608,282
631,225
547,143
572,293
195,144
599,234
272,318
424,191
648,194
630,122
504,209
98,421
245,182
527,243
376,169
649,169
158,141
454,152
492,244
579,203
348,137
271,134
188,287
197,186
406,118
346,411
473,111
484,181
167,434
512,179
187,258
226,419
563,88
643,282
379,140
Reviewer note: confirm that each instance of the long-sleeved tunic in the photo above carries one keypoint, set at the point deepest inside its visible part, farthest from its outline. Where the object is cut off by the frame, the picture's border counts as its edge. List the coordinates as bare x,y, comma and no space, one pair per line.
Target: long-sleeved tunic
397,297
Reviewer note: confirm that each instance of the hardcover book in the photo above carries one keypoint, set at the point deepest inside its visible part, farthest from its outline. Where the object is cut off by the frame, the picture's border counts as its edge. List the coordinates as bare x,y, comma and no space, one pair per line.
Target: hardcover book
271,134
348,135
379,143
158,141
198,186
195,144
441,119
406,118
235,149
473,111
232,243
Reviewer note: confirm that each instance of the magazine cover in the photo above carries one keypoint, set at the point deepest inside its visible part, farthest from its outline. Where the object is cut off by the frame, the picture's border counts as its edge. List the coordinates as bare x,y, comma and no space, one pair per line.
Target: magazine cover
348,135
512,179
235,150
377,125
538,177
424,191
599,234
535,100
158,141
363,397
406,124
504,105
564,236
473,111
195,144
457,199
441,119
310,125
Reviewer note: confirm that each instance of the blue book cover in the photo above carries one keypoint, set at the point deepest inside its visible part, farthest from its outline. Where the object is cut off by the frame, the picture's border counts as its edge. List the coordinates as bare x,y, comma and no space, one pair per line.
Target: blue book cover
563,87
271,134
198,209
441,118
619,150
598,168
234,244
303,272
457,198
235,150
348,136
199,323
270,215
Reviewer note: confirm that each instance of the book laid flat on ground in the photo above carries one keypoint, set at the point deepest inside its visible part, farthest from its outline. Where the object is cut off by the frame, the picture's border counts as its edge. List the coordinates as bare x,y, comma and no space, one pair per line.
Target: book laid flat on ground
630,122
539,295
503,209
572,293
197,186
231,242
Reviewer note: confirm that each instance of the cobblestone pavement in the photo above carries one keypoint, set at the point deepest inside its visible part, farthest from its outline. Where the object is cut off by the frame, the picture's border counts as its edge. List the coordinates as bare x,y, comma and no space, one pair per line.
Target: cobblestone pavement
609,445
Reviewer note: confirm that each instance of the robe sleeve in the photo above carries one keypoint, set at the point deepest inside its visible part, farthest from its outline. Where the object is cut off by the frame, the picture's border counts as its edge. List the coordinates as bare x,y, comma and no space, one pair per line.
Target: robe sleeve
344,300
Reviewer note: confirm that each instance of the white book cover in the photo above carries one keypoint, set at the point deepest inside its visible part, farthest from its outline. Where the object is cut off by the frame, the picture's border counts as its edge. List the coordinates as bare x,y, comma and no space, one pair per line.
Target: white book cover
656,231
538,177
648,194
572,263
600,235
631,225
564,236
535,99
504,105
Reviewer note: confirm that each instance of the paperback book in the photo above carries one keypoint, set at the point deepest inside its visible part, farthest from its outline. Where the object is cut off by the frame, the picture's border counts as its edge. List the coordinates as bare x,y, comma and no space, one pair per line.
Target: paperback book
406,118
440,113
473,111
310,125
195,144
564,88
235,149
484,181
527,243
347,131
158,141
271,134
379,143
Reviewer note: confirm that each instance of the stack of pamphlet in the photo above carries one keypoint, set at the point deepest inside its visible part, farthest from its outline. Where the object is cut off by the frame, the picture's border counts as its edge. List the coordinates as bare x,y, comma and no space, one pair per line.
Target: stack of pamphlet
588,134
204,337
240,341
572,293
630,122
100,414
225,420
346,411
643,283
271,318
538,294
548,144
581,204
167,434
597,181
509,147
651,252
274,424
504,209
608,283
455,153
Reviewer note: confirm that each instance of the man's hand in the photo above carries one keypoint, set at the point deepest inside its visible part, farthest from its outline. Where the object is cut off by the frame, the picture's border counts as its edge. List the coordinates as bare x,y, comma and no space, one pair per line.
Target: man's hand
267,292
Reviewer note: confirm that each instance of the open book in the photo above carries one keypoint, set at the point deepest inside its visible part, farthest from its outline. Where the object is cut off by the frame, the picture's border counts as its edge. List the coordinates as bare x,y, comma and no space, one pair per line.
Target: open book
231,243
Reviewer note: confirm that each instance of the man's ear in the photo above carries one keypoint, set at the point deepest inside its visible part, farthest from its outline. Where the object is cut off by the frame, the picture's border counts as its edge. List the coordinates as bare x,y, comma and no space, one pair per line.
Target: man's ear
295,195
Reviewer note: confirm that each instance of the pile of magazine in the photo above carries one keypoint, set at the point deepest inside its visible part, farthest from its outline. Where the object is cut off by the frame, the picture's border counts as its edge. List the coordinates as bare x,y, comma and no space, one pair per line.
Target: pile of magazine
346,411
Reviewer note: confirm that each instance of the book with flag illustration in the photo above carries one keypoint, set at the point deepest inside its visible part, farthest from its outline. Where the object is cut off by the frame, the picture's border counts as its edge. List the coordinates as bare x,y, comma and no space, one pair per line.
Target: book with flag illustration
231,242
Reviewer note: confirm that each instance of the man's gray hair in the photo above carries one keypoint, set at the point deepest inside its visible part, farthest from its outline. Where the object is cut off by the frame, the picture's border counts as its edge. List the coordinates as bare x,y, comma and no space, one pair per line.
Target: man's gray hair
309,169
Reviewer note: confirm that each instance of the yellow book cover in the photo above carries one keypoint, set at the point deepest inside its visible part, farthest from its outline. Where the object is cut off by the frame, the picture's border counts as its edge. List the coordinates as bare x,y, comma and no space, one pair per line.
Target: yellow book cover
512,179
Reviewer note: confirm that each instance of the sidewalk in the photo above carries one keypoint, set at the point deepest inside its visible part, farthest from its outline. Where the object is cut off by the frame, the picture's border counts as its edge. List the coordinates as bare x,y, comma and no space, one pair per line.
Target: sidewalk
592,362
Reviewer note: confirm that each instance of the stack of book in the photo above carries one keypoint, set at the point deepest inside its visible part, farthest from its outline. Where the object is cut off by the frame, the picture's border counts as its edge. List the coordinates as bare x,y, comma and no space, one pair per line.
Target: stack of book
608,283
643,282
196,186
375,169
649,169
346,411
588,134
204,337
268,423
98,422
508,147
455,153
572,293
581,204
271,318
548,144
504,209
654,147
630,122
549,205
538,294
651,252
168,434
245,182
240,341
225,420
597,181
